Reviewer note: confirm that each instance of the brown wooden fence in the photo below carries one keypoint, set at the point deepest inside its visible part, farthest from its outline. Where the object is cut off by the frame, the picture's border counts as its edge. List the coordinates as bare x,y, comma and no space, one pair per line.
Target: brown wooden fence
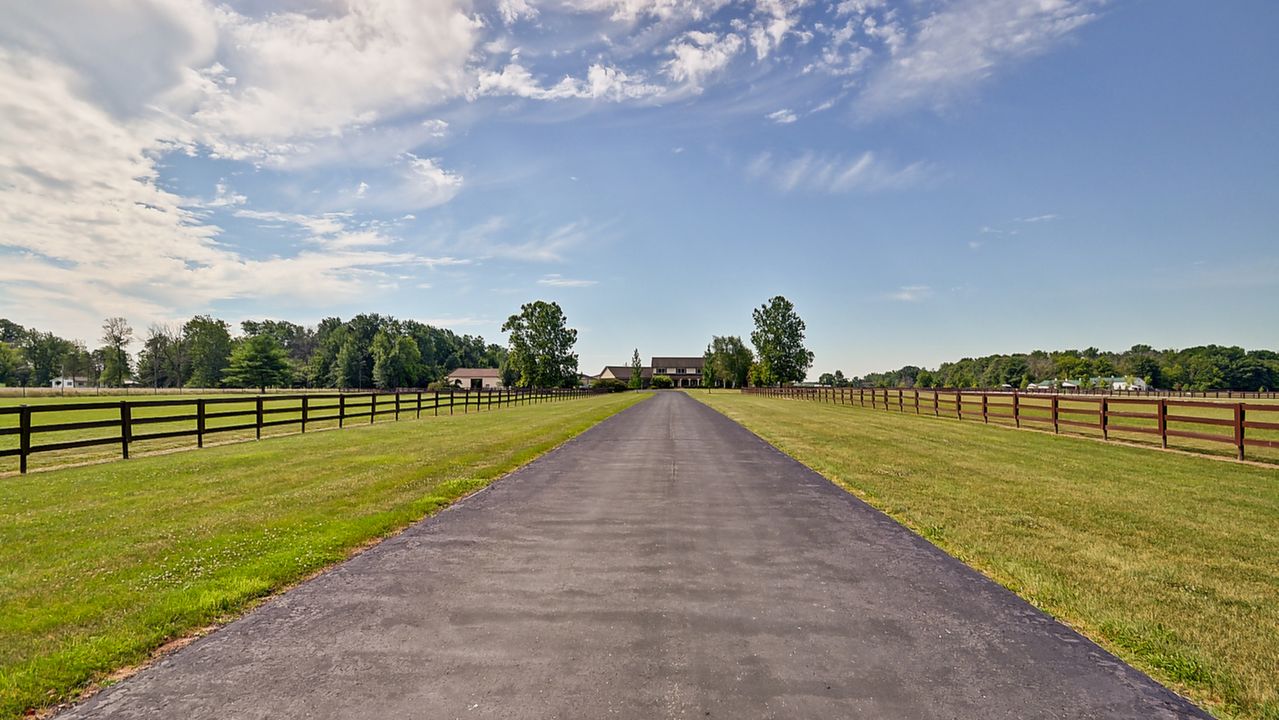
1240,424
201,417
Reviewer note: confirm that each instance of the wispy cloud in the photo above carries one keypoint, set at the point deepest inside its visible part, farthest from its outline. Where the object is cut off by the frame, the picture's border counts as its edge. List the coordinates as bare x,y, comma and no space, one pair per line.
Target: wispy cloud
785,116
557,280
836,174
957,48
1039,218
911,293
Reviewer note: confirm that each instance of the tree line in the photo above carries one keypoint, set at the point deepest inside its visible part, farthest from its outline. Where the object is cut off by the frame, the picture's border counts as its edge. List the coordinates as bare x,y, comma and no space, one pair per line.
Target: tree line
1200,368
364,352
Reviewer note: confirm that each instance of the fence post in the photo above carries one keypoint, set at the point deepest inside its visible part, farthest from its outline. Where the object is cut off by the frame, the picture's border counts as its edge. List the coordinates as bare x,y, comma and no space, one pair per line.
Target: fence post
24,438
199,423
1162,412
1239,428
341,409
861,396
1104,418
436,409
419,405
466,401
984,404
257,430
304,408
397,405
126,428
901,400
1054,409
452,395
1016,409
959,404
916,401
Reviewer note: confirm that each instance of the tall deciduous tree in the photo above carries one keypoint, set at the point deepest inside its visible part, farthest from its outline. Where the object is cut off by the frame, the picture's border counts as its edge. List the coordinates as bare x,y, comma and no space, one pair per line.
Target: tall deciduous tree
637,371
396,360
45,352
541,345
208,349
116,336
258,362
779,342
729,361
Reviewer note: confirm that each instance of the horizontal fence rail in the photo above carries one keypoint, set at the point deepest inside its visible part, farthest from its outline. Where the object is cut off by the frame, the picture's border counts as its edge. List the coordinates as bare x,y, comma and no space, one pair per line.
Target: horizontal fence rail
136,421
1240,424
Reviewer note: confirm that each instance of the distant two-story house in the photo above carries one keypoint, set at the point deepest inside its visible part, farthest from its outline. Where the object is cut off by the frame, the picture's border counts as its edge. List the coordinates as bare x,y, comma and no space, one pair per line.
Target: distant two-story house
685,371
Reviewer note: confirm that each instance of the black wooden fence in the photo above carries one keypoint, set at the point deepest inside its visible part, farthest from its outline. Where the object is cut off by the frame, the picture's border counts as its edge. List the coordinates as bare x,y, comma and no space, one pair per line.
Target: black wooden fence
1240,424
202,417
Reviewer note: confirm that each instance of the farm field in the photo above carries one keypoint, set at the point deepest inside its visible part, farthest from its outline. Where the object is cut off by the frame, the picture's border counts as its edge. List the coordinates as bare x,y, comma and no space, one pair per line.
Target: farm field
279,408
1165,559
100,565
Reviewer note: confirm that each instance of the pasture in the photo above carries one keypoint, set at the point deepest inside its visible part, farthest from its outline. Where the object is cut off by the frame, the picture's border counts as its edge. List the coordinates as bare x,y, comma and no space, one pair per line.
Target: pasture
1165,559
100,565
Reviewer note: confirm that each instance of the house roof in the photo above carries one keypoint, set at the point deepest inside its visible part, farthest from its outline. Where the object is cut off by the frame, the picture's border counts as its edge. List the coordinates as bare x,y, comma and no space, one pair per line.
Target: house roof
623,372
678,362
469,373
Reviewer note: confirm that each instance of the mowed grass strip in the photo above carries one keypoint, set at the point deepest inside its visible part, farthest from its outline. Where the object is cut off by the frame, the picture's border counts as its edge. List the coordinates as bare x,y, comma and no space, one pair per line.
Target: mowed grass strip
1167,560
100,565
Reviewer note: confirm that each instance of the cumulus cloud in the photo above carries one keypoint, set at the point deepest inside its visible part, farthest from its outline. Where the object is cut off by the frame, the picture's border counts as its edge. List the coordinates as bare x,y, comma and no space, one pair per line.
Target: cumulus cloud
601,83
698,55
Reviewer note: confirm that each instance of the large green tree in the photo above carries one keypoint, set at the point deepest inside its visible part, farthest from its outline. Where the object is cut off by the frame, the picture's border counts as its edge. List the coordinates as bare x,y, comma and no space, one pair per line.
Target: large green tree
779,342
208,349
727,362
396,361
258,362
45,352
541,345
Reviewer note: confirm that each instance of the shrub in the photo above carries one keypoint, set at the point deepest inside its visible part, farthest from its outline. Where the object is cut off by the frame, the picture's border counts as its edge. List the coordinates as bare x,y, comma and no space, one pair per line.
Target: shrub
611,385
663,381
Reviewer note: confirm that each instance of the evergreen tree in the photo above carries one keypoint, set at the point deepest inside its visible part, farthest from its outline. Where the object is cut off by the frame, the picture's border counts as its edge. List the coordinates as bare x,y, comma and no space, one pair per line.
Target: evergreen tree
258,362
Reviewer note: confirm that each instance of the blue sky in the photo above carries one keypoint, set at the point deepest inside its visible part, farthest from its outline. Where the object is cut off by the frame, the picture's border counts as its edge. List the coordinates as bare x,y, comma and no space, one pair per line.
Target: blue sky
925,179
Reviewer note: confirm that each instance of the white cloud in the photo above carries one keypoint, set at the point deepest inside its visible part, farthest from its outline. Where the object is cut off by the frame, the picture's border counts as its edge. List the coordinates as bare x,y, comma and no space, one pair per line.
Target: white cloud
557,280
836,174
1038,218
777,20
698,55
601,83
785,116
301,77
512,11
965,43
911,293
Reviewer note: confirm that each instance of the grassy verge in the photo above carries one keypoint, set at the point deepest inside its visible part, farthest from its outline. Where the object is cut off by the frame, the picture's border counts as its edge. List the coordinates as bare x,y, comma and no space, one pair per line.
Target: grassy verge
1169,561
101,565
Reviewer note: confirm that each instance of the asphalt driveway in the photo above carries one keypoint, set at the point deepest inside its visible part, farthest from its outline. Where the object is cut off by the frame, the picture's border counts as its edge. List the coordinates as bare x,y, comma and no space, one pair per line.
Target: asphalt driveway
667,563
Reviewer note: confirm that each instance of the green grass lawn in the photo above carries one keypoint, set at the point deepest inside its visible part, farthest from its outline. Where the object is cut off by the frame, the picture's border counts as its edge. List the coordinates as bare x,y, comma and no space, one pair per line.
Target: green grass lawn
1169,561
100,565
